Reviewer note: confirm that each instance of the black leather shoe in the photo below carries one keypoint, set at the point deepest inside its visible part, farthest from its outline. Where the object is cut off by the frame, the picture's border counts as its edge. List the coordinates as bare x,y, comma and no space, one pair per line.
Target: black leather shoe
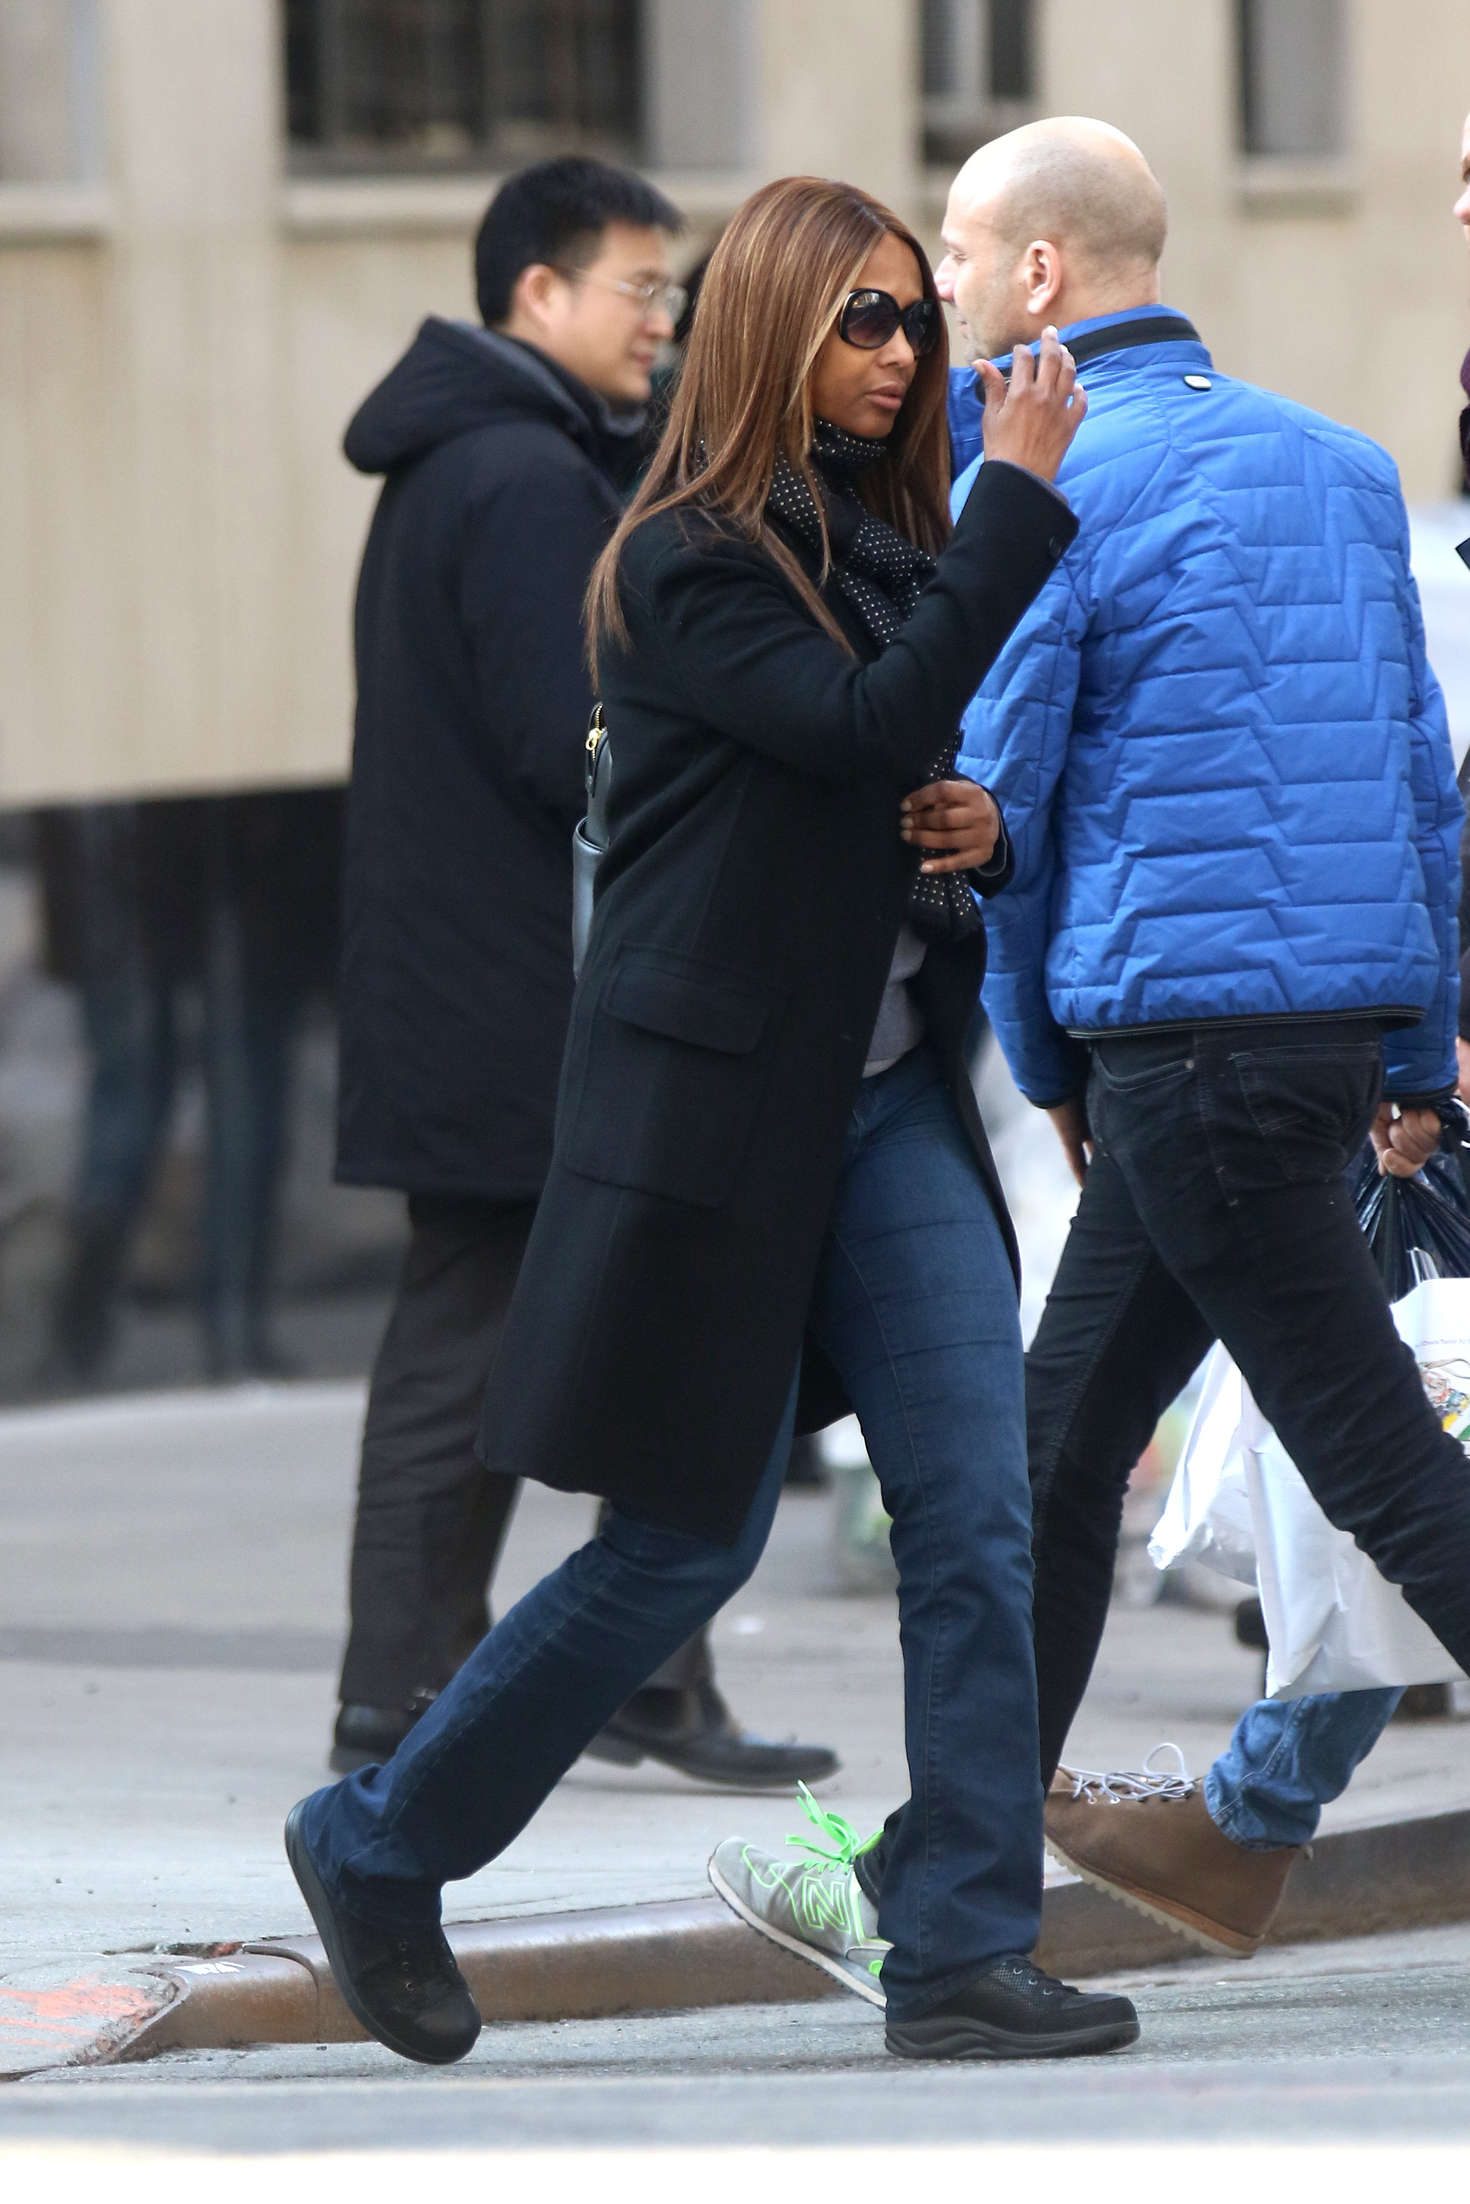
1013,2011
366,1735
695,1732
403,1985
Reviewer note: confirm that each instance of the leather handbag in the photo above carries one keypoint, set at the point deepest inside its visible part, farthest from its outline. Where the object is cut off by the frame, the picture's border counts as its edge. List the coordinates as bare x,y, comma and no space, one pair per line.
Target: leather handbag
589,836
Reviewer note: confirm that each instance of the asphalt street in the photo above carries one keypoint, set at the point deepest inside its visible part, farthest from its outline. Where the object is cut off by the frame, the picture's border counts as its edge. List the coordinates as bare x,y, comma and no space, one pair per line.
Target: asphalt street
1355,2042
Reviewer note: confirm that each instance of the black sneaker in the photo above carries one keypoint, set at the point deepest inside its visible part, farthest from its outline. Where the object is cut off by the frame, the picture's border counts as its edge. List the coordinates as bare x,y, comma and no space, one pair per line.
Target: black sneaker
1013,2011
403,1985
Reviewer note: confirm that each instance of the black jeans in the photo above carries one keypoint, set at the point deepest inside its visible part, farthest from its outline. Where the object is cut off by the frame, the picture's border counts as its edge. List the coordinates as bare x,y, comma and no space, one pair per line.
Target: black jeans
430,1521
1217,1207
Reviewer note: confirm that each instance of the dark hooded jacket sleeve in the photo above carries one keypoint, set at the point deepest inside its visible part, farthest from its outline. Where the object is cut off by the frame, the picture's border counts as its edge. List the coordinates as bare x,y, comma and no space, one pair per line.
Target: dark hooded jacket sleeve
531,539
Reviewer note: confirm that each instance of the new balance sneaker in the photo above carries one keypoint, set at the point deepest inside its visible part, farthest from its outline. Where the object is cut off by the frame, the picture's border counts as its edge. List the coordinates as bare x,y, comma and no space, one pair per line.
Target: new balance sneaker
1147,1838
814,1907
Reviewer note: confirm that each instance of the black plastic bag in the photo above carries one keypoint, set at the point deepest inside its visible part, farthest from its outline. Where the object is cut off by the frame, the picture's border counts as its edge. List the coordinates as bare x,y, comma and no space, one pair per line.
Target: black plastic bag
1417,1228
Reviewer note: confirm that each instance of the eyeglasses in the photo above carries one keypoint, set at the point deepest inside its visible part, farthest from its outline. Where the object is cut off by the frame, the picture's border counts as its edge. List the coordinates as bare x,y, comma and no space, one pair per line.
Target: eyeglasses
652,297
869,319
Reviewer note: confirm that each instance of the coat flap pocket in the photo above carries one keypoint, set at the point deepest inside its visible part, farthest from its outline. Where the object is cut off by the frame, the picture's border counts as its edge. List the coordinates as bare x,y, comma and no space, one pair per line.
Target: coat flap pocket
687,1004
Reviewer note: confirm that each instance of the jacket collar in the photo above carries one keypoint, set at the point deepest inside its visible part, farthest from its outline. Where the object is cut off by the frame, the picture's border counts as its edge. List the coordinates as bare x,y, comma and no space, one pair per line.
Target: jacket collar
613,434
1120,332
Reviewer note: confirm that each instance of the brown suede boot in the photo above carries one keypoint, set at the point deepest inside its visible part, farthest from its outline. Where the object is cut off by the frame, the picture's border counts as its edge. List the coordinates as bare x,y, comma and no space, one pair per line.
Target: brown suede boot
1153,1845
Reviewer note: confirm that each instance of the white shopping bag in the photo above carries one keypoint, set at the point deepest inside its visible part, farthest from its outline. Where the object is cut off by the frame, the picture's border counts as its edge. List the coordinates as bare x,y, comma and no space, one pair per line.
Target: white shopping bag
1333,1622
1207,1516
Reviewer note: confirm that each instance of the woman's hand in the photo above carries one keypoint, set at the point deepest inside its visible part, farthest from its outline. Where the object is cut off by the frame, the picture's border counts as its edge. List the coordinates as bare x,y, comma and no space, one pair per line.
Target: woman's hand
958,817
1033,421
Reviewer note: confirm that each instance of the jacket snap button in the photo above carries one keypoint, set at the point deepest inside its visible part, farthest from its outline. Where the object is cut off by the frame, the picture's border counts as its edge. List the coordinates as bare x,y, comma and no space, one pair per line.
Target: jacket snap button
1198,382
1054,548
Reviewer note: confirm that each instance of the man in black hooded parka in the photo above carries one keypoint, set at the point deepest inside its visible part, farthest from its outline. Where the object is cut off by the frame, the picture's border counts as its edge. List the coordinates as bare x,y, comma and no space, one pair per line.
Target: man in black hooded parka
505,451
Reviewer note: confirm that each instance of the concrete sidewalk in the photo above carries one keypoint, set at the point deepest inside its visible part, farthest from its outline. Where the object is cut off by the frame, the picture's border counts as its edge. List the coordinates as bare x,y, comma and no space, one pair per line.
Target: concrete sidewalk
171,1609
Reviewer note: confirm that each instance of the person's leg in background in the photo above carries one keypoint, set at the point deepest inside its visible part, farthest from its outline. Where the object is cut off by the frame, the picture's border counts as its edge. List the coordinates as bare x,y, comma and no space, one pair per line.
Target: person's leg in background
252,974
431,1524
128,1019
680,1717
1287,1759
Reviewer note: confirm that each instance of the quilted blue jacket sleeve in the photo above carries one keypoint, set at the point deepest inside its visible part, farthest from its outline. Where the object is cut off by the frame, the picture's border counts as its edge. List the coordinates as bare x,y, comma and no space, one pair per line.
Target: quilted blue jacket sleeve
1014,739
1421,1059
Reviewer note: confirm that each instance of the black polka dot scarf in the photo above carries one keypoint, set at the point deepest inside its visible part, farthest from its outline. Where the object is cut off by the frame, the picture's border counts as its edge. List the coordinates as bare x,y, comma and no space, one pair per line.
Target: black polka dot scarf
881,574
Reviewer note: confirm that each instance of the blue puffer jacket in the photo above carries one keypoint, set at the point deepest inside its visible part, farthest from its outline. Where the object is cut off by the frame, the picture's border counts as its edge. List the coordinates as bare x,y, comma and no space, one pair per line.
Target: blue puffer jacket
1221,752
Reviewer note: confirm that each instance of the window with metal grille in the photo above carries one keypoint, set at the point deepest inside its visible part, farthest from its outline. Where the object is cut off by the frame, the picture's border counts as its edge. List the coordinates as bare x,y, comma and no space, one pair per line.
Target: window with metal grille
978,60
427,84
1292,78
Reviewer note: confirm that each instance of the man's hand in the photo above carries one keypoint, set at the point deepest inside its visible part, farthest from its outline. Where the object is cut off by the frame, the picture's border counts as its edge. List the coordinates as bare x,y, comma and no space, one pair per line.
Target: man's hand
1404,1142
1032,420
1462,1059
1070,1120
958,817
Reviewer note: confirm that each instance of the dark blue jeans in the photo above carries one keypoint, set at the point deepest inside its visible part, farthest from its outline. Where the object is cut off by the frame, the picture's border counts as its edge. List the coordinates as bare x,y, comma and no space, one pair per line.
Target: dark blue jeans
915,1306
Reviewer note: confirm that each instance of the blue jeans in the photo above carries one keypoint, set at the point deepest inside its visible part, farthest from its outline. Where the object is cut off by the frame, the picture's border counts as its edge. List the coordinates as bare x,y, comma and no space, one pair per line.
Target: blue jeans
915,1306
165,905
1287,1758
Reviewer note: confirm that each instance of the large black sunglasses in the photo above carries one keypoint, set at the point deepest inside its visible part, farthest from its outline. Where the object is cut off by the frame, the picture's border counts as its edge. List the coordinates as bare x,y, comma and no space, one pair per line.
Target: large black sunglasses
869,319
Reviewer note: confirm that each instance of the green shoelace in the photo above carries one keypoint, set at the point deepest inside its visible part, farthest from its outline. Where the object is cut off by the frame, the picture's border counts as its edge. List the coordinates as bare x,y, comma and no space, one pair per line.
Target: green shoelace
843,1842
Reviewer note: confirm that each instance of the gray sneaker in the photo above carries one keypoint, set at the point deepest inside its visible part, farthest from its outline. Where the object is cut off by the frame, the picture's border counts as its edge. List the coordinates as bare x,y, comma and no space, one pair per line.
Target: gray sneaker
816,1908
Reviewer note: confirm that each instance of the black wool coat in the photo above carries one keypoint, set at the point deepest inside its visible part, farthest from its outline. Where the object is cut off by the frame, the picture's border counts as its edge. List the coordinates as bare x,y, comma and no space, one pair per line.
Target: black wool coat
747,912
502,484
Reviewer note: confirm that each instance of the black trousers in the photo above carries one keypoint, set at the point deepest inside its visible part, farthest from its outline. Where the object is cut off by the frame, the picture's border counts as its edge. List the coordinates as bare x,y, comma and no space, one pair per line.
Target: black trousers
430,1521
1217,1207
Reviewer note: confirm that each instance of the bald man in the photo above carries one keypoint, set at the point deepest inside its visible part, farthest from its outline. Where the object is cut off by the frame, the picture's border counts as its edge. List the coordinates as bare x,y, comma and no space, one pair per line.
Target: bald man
1225,759
1225,769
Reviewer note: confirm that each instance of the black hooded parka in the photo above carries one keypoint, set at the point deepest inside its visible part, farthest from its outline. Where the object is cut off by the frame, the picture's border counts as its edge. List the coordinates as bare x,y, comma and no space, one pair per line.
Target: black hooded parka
503,480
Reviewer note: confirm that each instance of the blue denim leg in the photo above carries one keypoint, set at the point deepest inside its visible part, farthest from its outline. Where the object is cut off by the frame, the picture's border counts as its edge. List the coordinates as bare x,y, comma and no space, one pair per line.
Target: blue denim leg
916,1307
533,1694
248,1029
128,1012
1287,1759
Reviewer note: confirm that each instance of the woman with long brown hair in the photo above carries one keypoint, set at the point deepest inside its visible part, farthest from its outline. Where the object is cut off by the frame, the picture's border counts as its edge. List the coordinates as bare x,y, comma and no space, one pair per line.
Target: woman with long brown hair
771,1196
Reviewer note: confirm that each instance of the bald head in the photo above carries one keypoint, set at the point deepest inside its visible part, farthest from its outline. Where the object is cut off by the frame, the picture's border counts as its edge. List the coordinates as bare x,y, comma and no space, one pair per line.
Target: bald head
1056,221
1074,183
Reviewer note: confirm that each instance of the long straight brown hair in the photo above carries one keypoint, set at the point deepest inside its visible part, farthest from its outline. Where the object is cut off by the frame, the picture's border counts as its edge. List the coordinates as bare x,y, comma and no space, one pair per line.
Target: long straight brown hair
772,292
